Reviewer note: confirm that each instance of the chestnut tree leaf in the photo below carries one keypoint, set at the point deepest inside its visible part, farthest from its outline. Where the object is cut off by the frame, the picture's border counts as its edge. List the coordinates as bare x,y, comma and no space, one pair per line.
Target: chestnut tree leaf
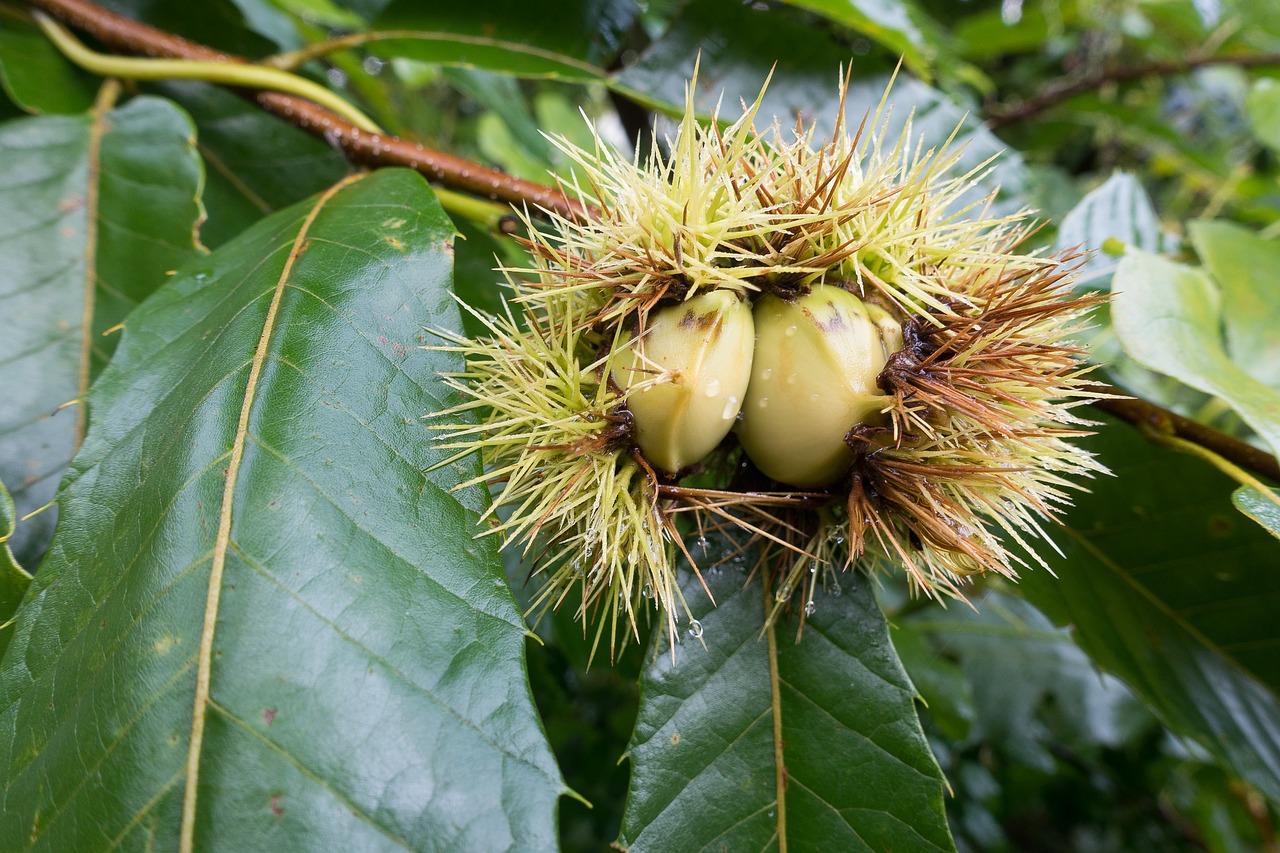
14,579
1168,317
1167,587
1263,109
254,163
804,83
1260,507
1118,211
264,622
95,210
1246,268
896,24
37,77
751,736
573,40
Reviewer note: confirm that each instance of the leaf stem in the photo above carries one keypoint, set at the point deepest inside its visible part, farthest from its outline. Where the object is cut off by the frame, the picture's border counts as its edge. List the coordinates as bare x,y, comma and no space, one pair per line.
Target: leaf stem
495,217
457,173
360,146
1233,471
227,73
1151,419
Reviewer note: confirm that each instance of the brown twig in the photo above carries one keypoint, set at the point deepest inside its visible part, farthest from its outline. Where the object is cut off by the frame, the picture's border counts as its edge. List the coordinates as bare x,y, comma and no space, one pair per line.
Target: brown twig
129,36
124,35
998,114
1146,415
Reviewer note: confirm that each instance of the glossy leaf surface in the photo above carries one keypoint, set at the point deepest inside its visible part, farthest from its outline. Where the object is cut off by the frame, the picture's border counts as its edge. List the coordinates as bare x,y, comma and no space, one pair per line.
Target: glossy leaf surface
1114,215
1262,509
262,625
1169,316
1167,587
1246,268
567,40
893,23
95,210
255,164
835,710
37,77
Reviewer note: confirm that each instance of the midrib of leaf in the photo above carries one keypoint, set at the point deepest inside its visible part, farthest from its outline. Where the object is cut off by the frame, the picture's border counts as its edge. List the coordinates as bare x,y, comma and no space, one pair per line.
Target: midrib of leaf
775,700
222,540
103,104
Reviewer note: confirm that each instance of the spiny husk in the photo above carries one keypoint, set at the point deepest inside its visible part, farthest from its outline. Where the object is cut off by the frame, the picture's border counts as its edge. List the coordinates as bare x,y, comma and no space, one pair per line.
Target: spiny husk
745,210
970,445
555,440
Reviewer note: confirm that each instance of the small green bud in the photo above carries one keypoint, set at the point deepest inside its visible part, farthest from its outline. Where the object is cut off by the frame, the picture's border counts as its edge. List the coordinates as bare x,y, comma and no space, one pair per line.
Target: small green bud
699,353
813,379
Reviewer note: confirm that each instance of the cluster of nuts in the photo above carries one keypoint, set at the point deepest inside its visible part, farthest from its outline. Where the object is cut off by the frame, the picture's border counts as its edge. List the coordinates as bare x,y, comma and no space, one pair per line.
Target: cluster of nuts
792,376
823,347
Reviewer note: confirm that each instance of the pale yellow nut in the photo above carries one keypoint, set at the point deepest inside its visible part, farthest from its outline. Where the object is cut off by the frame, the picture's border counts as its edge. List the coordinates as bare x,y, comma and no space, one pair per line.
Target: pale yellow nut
687,376
889,328
813,379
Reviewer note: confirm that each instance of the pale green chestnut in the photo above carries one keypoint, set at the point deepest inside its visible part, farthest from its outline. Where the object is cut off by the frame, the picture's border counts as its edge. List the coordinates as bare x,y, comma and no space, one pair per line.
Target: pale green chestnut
692,364
813,379
890,329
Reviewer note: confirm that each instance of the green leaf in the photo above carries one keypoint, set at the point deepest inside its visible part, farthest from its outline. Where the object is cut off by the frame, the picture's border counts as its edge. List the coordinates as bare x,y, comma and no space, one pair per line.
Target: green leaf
501,94
248,534
1263,108
95,210
805,73
255,164
570,40
1118,210
1016,662
943,687
36,76
14,579
1168,317
215,23
1246,268
1256,505
1168,588
835,710
892,23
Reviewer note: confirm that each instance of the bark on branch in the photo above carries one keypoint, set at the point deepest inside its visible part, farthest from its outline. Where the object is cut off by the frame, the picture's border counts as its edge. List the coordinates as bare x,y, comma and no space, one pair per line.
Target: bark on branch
127,36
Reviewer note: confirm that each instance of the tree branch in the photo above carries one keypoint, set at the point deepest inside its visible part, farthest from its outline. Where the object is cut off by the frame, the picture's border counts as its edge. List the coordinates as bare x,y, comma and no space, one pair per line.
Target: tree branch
1148,416
999,114
124,35
128,36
